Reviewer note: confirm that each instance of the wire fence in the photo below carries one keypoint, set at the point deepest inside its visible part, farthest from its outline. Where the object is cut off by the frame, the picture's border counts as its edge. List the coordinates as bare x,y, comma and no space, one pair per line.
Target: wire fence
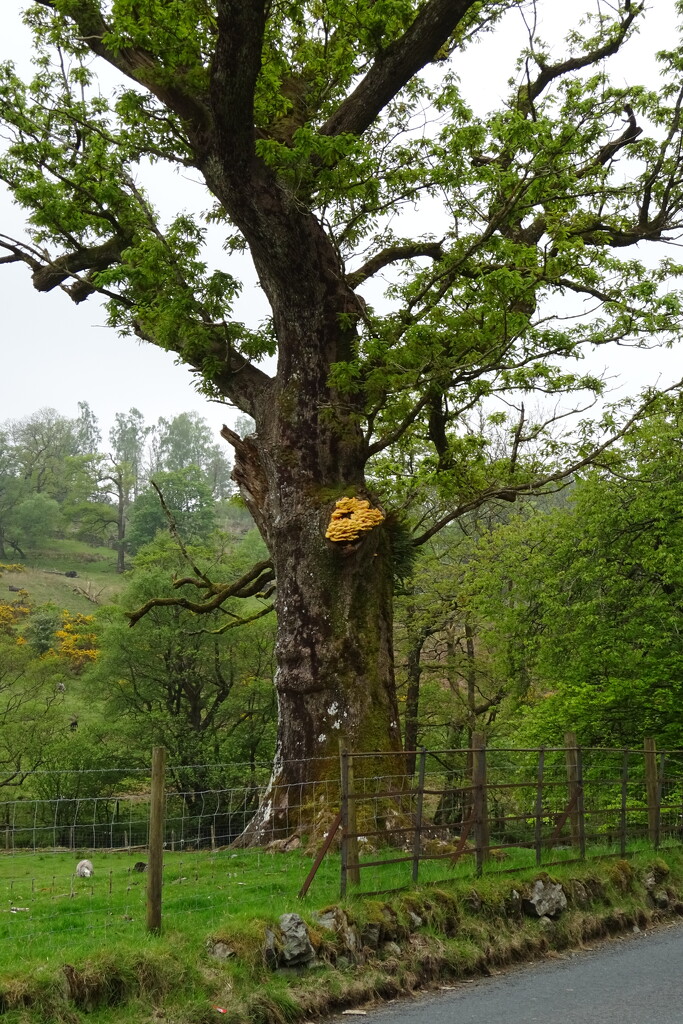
477,810
355,826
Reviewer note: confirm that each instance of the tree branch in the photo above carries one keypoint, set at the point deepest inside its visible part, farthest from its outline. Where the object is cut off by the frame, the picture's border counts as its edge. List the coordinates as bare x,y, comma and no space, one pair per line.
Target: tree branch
393,254
247,586
135,63
510,492
529,92
238,622
397,64
235,67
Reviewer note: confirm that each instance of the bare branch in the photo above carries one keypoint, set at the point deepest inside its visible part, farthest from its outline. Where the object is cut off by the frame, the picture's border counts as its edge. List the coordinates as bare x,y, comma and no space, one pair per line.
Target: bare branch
510,492
238,622
248,585
392,255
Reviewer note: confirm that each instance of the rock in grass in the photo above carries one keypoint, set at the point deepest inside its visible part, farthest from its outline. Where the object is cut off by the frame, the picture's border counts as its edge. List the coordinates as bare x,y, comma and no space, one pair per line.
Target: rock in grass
546,899
296,950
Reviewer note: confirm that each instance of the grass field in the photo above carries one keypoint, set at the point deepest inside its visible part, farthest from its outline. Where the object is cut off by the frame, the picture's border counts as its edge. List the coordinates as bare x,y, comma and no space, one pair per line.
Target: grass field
48,916
96,568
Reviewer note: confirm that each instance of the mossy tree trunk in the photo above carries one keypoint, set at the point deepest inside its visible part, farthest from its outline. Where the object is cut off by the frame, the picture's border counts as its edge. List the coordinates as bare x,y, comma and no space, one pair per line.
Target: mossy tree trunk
334,601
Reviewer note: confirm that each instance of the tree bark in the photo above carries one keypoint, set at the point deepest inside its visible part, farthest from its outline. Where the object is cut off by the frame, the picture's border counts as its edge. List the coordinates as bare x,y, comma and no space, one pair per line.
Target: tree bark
334,603
121,509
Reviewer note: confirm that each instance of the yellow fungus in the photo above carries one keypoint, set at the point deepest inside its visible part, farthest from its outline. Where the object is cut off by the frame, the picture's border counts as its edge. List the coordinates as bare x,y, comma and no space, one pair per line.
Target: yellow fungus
350,518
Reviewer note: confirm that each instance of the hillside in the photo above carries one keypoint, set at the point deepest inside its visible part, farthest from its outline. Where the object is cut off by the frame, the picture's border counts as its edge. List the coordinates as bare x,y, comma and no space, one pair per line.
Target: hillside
97,577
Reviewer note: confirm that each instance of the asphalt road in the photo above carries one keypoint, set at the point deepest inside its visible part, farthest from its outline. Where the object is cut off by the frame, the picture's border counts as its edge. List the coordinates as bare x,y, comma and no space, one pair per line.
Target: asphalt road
636,980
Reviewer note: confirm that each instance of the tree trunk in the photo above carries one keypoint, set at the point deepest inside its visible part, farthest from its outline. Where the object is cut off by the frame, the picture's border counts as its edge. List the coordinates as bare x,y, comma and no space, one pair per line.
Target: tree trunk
416,643
334,654
121,506
334,603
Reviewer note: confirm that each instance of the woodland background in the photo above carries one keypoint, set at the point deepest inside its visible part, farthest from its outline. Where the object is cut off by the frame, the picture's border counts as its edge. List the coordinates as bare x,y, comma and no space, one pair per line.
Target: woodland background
521,621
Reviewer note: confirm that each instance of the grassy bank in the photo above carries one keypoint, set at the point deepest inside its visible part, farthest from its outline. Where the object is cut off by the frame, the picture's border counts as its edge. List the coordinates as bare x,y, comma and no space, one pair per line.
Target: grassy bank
97,576
93,957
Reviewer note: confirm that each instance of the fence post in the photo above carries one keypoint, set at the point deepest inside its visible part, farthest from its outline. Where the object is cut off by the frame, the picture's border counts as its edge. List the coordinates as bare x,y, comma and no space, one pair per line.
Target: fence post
572,761
580,810
480,801
538,829
652,789
624,794
660,792
350,871
352,862
156,841
417,843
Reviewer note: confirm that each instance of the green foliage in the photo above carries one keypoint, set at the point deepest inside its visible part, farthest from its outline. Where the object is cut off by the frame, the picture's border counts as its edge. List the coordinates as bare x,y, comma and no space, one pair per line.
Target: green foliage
39,631
336,143
36,519
187,497
29,703
581,604
174,680
535,205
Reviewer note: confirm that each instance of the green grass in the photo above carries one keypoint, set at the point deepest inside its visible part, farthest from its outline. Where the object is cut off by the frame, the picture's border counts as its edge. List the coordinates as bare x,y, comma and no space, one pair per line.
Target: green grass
66,917
120,973
203,892
96,568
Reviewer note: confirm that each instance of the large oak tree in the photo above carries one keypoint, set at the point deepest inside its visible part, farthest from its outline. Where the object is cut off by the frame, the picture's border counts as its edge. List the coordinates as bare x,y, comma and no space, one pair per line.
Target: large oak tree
313,126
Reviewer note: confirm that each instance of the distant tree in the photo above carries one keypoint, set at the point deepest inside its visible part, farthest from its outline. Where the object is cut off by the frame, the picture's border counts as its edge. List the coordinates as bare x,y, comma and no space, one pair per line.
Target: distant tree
87,430
128,438
35,519
44,442
185,441
13,490
187,496
203,690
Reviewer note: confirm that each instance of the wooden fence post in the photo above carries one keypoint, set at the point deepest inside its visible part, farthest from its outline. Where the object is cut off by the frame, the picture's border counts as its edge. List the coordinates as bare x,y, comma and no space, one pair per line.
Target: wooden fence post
352,863
350,871
580,810
538,824
652,788
624,795
156,841
572,761
417,839
480,799
660,795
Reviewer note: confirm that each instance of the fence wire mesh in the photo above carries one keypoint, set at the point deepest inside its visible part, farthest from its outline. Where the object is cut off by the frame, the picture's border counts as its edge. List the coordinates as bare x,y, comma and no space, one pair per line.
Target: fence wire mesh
461,812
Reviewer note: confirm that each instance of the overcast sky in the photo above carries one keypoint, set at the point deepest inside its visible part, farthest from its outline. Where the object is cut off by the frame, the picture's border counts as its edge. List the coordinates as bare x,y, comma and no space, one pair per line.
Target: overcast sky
53,353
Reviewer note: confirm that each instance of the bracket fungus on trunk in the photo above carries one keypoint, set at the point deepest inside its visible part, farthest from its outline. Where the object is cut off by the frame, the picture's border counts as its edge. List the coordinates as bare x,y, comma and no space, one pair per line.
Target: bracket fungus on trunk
351,517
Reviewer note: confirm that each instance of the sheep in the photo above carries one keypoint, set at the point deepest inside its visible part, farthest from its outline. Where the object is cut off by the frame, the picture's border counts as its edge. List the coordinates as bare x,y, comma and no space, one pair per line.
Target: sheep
84,869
